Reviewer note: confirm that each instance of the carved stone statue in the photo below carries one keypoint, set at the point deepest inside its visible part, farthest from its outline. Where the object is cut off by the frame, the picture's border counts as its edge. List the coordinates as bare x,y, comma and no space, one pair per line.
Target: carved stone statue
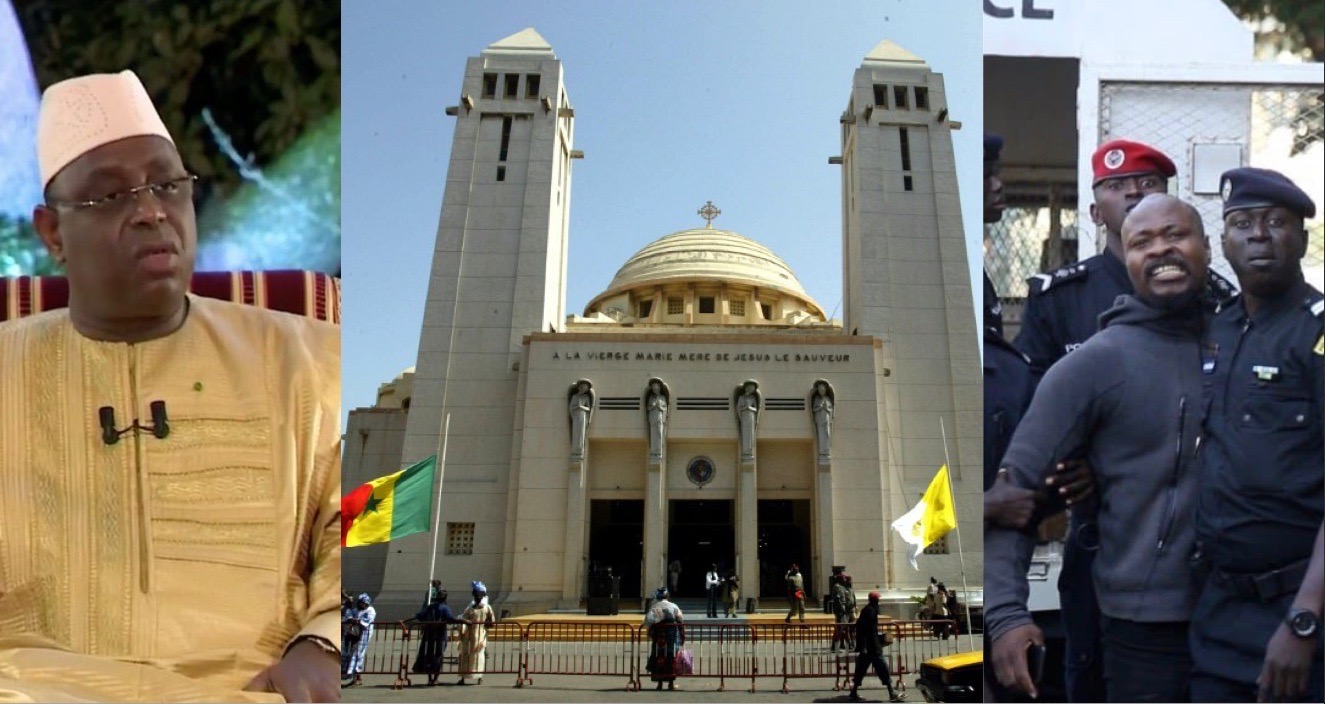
582,402
749,402
821,408
656,402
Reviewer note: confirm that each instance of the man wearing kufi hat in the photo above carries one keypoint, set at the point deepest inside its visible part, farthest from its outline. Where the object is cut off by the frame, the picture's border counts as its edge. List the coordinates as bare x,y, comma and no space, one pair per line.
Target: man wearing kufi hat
1257,634
169,465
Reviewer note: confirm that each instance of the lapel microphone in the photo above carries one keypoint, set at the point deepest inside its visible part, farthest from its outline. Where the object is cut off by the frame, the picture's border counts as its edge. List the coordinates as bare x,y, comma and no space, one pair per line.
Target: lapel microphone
108,433
160,427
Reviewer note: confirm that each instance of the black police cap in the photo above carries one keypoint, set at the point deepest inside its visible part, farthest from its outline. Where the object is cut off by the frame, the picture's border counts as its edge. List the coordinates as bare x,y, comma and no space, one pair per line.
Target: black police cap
993,146
1250,187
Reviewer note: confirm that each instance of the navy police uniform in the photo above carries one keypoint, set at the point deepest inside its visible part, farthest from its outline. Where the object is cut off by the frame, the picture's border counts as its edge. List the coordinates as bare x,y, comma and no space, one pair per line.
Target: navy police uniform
1064,305
1009,386
1261,499
1008,381
993,309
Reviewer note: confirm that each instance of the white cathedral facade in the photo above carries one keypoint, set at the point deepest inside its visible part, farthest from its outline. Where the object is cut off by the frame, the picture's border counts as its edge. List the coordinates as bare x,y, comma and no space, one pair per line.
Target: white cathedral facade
702,409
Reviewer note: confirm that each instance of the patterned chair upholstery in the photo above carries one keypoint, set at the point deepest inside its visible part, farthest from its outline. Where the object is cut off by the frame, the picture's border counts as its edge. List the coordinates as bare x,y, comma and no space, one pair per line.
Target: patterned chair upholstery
306,293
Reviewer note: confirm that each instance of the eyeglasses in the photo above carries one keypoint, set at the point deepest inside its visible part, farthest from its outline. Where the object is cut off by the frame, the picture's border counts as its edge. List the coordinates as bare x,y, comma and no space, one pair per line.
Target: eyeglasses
173,191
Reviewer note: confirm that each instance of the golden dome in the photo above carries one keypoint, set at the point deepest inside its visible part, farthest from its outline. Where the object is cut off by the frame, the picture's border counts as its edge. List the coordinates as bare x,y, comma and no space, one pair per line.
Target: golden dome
704,255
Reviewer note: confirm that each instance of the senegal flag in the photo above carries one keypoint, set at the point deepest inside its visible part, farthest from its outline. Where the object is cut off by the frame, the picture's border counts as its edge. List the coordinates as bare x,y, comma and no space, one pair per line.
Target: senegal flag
389,507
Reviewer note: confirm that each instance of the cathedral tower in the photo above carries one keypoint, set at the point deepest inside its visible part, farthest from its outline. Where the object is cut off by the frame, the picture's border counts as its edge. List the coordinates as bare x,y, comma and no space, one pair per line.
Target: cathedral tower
498,274
906,279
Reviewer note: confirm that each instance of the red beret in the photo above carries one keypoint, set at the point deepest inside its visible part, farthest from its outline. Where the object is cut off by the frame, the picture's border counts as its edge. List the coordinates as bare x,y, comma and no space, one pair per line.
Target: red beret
875,596
1121,157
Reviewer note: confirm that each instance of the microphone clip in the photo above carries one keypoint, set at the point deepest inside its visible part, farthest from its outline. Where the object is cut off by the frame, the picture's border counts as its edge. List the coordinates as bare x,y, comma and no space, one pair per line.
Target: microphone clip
160,427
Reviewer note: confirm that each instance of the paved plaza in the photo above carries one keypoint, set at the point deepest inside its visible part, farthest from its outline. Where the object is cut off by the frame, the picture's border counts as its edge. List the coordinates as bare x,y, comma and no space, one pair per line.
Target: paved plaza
730,658
565,688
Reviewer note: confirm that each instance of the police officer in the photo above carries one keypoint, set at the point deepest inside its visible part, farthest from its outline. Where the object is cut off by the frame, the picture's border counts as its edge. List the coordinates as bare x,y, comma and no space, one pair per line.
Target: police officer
1062,311
1259,512
1008,382
1008,386
1063,306
995,203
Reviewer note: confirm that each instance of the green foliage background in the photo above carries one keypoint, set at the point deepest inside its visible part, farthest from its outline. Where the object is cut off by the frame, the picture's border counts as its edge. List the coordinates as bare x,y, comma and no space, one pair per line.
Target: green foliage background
1299,27
266,69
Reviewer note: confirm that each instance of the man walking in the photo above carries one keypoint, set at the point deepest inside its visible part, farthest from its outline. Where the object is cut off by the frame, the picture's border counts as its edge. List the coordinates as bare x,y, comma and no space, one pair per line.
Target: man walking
795,593
871,650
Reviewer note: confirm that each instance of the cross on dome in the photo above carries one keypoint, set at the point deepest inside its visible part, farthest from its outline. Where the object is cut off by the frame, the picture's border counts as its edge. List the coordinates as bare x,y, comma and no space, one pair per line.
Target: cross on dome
709,212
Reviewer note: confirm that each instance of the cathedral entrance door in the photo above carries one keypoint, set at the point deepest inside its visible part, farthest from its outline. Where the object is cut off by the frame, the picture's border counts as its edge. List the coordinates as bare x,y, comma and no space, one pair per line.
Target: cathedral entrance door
784,539
700,534
616,540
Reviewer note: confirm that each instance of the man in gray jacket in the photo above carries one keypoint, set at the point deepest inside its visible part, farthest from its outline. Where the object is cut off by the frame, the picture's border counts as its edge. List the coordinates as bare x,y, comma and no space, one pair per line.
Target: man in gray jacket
1128,400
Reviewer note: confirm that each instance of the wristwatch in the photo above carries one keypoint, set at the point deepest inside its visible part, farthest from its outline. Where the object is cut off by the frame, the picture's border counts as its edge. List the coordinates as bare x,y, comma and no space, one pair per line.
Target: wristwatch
1304,623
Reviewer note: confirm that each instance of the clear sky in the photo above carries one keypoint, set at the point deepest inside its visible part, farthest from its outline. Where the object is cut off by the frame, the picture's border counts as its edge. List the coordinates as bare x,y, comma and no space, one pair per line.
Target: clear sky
675,103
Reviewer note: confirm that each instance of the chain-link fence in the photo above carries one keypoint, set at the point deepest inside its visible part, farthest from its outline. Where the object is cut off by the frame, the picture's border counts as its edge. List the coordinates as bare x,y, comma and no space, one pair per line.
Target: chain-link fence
1280,127
1038,232
1276,126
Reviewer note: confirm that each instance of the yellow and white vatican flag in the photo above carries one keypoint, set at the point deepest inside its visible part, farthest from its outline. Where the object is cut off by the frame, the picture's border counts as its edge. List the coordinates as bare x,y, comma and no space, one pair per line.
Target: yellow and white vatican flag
931,519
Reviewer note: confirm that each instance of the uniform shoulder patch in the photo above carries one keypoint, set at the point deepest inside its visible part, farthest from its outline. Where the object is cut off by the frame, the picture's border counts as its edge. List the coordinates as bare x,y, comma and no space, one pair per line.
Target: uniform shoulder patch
1040,283
1317,307
1222,288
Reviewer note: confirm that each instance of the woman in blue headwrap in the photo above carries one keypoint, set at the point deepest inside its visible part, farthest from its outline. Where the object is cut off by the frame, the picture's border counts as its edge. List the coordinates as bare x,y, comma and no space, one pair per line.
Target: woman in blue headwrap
474,636
363,615
667,633
433,620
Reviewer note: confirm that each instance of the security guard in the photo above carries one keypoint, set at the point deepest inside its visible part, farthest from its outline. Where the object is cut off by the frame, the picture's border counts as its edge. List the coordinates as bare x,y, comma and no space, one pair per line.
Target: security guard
995,203
1259,512
1008,382
1063,306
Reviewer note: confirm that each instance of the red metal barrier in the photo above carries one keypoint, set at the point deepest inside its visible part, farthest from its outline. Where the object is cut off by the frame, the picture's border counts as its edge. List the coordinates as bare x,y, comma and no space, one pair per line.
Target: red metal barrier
720,651
808,652
914,642
580,648
504,652
388,652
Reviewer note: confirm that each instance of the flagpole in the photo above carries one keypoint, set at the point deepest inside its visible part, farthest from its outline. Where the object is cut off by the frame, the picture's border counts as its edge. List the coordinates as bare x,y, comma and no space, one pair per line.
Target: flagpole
961,559
437,505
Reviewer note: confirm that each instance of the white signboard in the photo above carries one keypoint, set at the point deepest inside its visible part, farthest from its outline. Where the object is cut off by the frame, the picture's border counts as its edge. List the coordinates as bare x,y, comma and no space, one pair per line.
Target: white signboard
1117,31
1032,28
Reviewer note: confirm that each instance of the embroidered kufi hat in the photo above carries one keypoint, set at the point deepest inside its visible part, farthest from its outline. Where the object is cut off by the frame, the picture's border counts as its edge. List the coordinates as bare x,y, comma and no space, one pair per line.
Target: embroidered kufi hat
80,114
